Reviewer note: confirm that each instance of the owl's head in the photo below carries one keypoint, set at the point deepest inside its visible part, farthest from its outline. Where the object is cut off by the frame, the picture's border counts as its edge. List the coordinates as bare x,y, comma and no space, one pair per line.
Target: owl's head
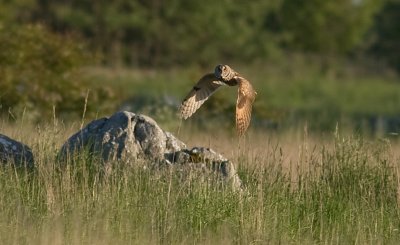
224,72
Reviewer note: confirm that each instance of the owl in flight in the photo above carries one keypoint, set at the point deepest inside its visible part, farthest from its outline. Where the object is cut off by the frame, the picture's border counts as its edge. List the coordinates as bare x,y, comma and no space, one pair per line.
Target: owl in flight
209,83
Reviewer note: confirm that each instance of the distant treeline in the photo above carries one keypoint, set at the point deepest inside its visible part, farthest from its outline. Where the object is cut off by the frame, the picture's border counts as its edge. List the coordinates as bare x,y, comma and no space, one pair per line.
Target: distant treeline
176,32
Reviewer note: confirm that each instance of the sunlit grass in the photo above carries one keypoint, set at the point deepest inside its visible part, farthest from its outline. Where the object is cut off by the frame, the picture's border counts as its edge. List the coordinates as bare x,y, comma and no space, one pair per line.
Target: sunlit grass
298,188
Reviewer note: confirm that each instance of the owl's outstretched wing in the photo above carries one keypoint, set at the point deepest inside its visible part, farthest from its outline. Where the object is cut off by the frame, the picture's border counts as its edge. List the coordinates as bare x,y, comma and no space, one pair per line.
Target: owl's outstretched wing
244,104
203,89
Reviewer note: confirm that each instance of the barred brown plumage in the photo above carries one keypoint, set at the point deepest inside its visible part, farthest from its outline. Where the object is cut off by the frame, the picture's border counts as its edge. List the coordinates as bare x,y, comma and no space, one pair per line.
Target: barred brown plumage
209,83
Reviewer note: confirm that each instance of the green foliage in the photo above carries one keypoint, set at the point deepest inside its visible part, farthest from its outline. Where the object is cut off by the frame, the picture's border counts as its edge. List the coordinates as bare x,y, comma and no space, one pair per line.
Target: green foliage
147,33
39,71
386,34
197,34
14,12
156,32
327,26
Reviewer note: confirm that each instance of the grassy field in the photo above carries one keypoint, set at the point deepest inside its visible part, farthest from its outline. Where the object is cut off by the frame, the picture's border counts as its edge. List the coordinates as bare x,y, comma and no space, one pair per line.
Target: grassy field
301,184
288,95
298,188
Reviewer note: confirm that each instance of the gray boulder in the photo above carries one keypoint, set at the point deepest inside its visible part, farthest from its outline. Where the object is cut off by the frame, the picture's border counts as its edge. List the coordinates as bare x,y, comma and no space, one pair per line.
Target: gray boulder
12,151
129,137
124,136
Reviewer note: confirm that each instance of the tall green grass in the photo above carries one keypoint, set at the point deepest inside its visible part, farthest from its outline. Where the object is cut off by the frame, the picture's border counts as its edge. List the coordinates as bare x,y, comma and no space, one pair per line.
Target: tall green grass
336,191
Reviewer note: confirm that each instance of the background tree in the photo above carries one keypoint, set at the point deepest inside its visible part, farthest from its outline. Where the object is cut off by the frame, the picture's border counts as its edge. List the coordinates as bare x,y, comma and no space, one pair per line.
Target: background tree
40,70
386,34
333,27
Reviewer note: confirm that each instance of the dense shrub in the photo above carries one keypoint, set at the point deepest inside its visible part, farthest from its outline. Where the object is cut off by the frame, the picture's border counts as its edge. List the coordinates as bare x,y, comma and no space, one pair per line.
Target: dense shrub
39,71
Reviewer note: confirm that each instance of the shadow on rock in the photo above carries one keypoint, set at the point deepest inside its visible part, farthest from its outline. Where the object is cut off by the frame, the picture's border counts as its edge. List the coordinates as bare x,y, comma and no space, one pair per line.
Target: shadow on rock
16,153
130,138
